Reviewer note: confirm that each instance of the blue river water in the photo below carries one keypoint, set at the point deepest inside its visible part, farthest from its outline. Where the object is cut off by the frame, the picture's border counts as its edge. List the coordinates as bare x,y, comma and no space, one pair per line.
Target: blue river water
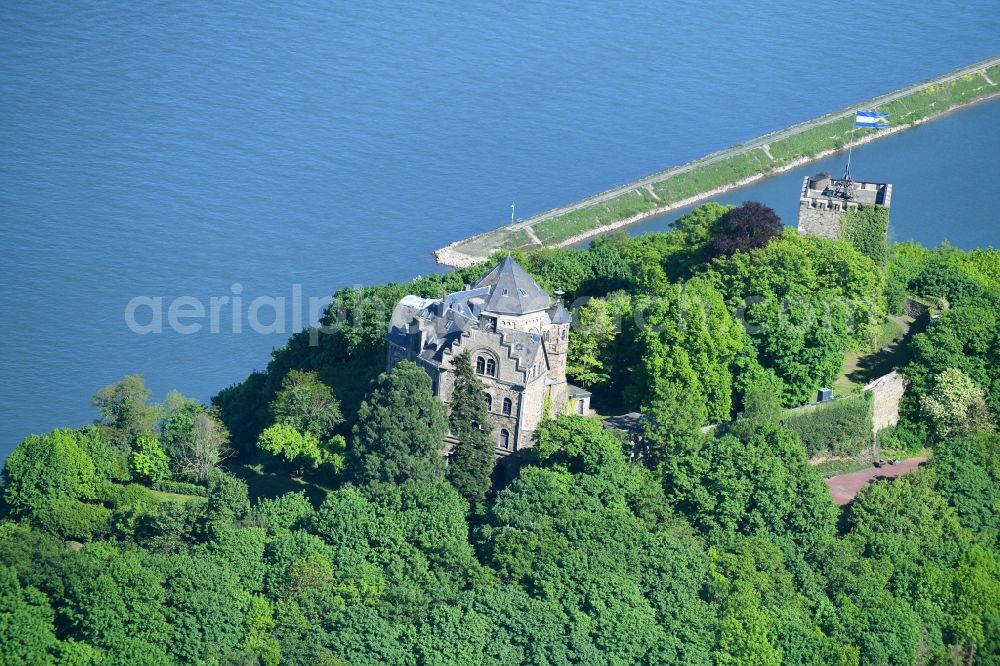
943,173
183,151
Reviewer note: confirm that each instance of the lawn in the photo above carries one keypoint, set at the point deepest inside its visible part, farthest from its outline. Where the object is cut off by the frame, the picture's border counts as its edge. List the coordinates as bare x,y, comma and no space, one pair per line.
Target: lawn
837,466
894,340
711,176
828,136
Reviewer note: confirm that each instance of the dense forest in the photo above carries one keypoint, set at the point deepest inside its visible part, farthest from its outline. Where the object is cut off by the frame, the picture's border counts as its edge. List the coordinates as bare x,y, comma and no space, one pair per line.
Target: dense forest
307,517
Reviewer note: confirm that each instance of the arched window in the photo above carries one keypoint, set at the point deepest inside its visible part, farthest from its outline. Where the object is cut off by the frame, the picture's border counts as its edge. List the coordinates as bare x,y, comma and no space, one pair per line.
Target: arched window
489,402
486,364
504,439
563,335
507,405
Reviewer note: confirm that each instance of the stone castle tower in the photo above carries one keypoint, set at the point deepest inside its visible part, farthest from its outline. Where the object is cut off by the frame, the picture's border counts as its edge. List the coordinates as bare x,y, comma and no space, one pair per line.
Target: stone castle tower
518,339
824,199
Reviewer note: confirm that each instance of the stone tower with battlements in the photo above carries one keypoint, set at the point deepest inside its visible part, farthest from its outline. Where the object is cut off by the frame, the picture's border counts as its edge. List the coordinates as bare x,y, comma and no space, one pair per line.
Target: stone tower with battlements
824,199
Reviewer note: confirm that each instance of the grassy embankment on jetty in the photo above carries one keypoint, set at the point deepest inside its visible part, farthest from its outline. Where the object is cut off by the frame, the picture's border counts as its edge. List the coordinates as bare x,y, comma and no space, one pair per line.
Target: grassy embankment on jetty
716,173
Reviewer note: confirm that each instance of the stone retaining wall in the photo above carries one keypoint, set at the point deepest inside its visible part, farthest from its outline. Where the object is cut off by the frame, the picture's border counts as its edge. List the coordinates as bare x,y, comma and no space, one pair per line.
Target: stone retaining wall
886,392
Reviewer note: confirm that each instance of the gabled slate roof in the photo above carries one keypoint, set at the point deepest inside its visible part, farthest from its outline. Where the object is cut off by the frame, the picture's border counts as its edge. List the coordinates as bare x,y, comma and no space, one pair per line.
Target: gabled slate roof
523,346
513,290
439,322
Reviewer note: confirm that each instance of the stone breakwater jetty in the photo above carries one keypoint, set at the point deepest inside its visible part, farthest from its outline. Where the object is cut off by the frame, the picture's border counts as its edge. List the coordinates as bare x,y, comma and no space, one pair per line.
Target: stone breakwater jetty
727,169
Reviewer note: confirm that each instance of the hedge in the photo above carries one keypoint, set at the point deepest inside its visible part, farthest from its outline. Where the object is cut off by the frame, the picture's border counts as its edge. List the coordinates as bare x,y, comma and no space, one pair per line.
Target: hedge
842,427
180,488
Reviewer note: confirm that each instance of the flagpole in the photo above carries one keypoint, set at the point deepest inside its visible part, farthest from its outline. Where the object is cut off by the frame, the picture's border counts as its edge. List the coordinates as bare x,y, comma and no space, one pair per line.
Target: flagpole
850,151
872,119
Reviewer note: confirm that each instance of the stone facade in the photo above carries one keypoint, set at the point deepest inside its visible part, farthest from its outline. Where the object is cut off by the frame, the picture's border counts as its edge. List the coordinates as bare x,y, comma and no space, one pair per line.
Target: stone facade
821,222
517,337
886,392
824,199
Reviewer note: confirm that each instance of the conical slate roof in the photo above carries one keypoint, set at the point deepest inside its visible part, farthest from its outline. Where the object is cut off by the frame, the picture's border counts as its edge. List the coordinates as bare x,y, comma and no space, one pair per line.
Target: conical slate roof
513,290
560,315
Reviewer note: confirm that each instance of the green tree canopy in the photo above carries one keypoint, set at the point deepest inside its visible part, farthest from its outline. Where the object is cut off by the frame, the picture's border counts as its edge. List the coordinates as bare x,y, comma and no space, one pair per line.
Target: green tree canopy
400,430
307,404
964,338
471,462
27,634
579,445
703,223
115,601
795,268
148,459
759,485
125,410
228,502
288,443
588,362
204,608
45,469
691,342
575,533
967,474
956,406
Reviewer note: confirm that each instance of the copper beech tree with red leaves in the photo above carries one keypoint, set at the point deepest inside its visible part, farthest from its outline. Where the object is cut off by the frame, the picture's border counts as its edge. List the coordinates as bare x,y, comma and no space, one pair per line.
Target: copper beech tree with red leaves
745,228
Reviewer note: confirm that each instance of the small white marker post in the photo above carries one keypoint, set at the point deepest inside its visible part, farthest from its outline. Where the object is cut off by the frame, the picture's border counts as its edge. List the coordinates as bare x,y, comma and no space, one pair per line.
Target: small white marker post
512,214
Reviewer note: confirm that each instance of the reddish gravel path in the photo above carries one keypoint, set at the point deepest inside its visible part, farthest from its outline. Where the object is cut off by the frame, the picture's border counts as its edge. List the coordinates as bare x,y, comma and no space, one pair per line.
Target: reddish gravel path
843,488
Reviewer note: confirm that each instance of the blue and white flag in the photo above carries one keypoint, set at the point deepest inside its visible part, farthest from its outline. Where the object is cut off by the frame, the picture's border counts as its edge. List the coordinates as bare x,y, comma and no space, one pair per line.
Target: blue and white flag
870,119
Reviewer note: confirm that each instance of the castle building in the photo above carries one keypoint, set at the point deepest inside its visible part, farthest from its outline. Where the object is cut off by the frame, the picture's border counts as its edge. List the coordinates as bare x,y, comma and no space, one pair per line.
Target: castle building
517,337
824,199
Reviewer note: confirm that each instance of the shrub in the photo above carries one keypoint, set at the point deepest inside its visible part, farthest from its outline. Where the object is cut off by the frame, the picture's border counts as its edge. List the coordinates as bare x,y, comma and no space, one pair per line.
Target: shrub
109,463
843,427
148,459
72,519
180,488
132,496
284,512
904,436
944,277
